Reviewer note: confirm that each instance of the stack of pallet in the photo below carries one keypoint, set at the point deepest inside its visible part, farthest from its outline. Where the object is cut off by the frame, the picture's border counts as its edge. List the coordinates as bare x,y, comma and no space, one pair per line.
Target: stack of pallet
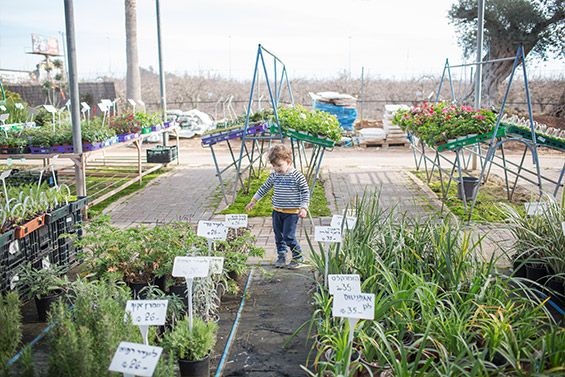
394,134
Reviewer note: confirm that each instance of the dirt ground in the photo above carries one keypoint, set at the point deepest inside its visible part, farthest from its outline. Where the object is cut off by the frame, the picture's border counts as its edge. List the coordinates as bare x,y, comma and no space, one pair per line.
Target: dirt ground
277,303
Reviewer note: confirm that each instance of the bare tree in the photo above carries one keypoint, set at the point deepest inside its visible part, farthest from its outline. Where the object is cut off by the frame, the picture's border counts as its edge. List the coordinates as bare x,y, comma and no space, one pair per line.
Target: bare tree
133,82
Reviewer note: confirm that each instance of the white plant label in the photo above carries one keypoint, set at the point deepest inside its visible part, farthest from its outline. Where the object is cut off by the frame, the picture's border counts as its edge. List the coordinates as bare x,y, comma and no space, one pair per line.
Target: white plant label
45,263
135,359
50,108
3,108
535,208
354,305
344,284
236,221
190,267
14,282
85,106
103,107
216,264
132,102
327,234
147,312
563,227
5,174
350,221
212,230
19,106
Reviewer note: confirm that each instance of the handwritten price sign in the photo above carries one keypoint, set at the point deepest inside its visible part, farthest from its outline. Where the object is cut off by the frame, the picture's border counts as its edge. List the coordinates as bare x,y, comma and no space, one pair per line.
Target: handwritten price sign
236,221
135,359
190,267
344,284
212,230
147,312
354,305
535,208
216,263
337,221
327,234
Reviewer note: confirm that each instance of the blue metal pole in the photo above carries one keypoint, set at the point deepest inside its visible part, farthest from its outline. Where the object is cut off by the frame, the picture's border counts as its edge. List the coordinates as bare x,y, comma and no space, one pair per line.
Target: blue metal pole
271,96
441,80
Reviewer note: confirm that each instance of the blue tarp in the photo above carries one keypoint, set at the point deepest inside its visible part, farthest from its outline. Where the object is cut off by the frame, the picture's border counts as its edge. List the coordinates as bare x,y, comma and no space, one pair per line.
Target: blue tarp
345,115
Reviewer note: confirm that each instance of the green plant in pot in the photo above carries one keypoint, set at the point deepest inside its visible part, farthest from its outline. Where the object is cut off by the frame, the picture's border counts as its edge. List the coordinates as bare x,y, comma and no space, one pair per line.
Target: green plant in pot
44,285
192,348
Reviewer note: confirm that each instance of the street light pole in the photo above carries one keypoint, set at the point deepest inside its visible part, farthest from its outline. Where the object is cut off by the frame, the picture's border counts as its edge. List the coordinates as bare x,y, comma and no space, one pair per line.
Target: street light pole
161,73
479,74
80,177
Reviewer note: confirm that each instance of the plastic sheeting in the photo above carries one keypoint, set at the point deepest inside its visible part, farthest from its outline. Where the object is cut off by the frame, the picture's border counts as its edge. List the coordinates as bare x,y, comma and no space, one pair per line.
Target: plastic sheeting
345,115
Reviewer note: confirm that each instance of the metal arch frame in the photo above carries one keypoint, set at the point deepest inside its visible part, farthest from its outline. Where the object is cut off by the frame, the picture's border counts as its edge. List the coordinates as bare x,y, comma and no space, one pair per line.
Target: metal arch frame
488,159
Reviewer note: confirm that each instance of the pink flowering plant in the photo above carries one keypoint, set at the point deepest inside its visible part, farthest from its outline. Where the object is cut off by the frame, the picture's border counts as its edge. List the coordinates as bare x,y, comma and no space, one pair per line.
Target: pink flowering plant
436,123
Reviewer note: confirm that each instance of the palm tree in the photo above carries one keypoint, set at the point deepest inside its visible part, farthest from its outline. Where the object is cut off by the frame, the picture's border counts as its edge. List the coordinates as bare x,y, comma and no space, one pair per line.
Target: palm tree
133,82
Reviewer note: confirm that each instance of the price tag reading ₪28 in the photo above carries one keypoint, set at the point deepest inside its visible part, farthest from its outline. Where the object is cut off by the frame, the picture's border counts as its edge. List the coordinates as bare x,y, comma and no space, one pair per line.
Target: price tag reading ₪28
354,305
344,283
212,230
135,359
236,221
147,312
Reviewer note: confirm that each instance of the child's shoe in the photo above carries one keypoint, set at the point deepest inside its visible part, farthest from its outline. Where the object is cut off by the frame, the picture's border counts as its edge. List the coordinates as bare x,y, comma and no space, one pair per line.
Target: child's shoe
281,262
294,264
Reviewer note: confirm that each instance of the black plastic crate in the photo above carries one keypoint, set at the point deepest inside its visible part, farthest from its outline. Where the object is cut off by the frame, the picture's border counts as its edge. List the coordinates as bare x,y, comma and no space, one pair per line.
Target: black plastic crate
57,213
162,155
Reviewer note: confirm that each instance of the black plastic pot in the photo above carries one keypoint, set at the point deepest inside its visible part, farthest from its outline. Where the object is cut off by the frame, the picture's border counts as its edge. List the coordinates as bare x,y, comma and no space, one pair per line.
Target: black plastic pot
537,272
136,288
160,282
180,291
519,268
44,303
198,368
470,185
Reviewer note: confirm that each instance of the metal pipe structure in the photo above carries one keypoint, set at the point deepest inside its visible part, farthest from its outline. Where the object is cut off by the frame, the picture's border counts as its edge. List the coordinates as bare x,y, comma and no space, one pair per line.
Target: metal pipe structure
479,73
80,177
162,87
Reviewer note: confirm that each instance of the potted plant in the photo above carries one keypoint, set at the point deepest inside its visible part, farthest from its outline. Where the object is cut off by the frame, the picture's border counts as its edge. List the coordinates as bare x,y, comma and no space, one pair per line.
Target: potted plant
192,348
44,285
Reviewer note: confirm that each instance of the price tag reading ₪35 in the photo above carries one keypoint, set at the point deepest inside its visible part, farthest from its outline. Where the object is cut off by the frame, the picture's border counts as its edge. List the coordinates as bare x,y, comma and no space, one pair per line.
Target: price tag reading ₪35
337,221
354,305
135,359
344,284
236,221
147,312
327,234
212,230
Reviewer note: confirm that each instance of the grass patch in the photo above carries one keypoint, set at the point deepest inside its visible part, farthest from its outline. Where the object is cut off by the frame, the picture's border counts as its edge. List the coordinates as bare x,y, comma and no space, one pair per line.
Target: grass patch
489,198
318,202
98,208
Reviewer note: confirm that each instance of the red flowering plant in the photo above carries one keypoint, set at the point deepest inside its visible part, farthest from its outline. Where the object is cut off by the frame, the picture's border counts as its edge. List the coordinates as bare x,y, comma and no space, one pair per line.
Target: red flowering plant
125,124
437,123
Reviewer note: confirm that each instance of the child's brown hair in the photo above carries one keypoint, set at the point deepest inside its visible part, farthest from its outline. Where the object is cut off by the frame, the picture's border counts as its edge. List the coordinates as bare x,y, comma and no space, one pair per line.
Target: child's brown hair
279,152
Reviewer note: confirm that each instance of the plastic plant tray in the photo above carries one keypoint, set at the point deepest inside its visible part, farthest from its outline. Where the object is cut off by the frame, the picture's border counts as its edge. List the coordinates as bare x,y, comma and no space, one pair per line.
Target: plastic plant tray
232,134
304,137
546,141
470,140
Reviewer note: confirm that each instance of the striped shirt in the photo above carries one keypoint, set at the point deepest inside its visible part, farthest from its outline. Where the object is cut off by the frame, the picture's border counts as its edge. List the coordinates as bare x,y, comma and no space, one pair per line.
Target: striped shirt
291,190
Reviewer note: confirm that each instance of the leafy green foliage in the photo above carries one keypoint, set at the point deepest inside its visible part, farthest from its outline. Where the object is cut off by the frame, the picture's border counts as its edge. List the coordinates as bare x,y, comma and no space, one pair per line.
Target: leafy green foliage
42,282
195,345
440,309
11,325
438,123
316,123
263,208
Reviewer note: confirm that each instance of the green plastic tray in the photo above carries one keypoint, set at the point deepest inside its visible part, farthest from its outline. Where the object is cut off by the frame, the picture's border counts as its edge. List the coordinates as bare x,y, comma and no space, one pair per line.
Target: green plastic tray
470,140
304,137
541,139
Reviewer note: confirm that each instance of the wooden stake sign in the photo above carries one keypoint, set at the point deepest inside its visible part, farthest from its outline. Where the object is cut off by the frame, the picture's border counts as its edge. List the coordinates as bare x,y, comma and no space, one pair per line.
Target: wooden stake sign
133,359
328,235
145,313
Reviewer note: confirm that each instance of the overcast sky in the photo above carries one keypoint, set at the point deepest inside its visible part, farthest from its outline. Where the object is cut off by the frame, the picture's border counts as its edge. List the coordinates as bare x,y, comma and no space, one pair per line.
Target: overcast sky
315,38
